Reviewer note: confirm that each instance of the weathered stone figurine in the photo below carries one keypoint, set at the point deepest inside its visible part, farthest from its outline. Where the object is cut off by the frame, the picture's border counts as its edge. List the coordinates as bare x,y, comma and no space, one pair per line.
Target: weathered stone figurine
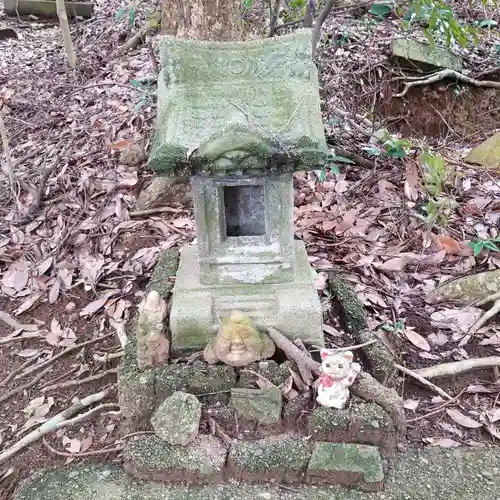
338,373
238,342
152,345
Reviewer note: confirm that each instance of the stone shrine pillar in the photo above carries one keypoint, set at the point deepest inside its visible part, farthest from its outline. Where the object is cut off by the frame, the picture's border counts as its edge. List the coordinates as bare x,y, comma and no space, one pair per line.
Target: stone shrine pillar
239,118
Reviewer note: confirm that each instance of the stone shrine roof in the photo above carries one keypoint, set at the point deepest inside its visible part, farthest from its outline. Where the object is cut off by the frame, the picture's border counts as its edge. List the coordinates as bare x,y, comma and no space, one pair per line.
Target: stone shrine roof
238,108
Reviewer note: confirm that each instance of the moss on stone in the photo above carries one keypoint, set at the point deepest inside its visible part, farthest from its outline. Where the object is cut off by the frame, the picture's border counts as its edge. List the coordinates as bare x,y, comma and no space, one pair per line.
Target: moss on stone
332,461
286,452
351,308
366,423
198,379
276,373
258,405
149,457
136,389
164,271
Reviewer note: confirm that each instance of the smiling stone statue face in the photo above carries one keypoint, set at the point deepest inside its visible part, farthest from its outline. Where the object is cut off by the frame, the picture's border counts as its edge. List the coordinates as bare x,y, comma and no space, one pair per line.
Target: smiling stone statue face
238,342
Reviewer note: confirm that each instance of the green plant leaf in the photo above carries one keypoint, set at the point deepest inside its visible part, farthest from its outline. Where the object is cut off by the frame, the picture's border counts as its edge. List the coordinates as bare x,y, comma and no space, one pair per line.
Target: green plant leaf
380,9
137,84
131,17
334,169
120,12
488,23
322,175
341,159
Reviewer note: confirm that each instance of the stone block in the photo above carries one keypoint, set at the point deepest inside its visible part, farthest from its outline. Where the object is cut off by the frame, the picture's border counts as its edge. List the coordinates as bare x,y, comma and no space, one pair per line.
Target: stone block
136,390
352,465
282,459
294,307
258,405
487,154
47,8
164,273
257,110
276,373
151,458
177,419
424,56
364,423
198,379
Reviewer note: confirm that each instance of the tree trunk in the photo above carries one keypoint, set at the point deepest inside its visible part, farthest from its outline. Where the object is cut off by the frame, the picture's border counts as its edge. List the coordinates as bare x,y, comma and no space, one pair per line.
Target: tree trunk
203,19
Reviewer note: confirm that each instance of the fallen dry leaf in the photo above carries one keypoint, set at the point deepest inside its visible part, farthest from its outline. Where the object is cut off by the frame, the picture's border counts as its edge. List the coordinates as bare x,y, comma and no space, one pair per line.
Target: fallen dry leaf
30,302
462,419
94,306
442,442
27,353
411,181
395,265
411,404
73,445
416,339
448,244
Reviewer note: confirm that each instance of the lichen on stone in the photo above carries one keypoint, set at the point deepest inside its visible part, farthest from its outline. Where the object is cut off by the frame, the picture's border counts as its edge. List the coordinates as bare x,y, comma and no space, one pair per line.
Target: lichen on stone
164,271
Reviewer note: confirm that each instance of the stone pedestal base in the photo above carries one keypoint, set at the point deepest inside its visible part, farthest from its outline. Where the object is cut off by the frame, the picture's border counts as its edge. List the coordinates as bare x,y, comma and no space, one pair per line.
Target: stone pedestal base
197,310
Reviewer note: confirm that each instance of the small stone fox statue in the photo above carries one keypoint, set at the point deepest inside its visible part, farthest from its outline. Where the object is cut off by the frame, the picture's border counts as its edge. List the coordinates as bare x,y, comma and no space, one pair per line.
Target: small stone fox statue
338,373
152,345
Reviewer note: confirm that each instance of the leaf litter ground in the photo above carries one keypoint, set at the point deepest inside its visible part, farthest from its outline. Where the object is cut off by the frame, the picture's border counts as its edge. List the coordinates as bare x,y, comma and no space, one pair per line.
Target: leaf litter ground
79,266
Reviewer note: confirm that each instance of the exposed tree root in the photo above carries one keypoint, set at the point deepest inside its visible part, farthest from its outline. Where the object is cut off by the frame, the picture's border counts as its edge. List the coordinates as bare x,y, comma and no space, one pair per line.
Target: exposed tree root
447,73
370,389
458,367
56,422
104,451
81,381
424,381
152,24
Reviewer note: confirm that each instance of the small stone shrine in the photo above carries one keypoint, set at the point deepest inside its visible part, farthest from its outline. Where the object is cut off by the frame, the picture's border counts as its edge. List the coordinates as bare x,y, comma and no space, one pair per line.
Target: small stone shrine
240,118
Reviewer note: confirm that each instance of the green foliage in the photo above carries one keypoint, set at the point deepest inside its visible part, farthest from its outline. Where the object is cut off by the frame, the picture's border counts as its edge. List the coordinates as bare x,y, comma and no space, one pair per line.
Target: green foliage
145,94
332,166
247,4
435,173
128,11
479,245
389,147
381,9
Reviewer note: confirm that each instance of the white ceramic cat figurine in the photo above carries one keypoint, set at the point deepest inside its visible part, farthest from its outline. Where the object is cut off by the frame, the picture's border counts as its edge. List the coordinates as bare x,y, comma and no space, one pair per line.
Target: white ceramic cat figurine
338,373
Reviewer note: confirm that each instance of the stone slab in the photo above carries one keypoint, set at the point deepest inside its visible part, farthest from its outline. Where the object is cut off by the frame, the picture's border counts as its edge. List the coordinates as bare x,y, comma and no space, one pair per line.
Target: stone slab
487,154
424,56
200,462
281,459
352,465
258,405
294,308
162,278
362,423
233,107
431,474
47,8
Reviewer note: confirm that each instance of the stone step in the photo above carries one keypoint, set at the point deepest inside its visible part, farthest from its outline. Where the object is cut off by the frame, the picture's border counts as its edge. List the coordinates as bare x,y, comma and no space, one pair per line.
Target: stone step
433,474
254,306
284,458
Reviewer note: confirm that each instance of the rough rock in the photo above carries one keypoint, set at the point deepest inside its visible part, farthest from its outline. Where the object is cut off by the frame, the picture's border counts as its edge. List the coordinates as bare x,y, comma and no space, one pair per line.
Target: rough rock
424,55
177,419
201,461
258,405
362,423
164,191
487,153
282,458
346,464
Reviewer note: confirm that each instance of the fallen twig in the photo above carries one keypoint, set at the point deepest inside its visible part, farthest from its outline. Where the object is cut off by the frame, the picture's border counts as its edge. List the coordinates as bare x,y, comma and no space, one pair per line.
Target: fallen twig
103,451
151,24
54,423
157,210
423,381
457,367
106,358
19,369
23,387
61,377
62,354
447,73
305,364
487,315
81,381
437,410
353,347
13,323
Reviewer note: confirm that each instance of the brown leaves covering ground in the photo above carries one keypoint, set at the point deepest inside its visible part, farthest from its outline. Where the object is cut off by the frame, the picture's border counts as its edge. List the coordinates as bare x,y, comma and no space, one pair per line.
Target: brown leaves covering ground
82,260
